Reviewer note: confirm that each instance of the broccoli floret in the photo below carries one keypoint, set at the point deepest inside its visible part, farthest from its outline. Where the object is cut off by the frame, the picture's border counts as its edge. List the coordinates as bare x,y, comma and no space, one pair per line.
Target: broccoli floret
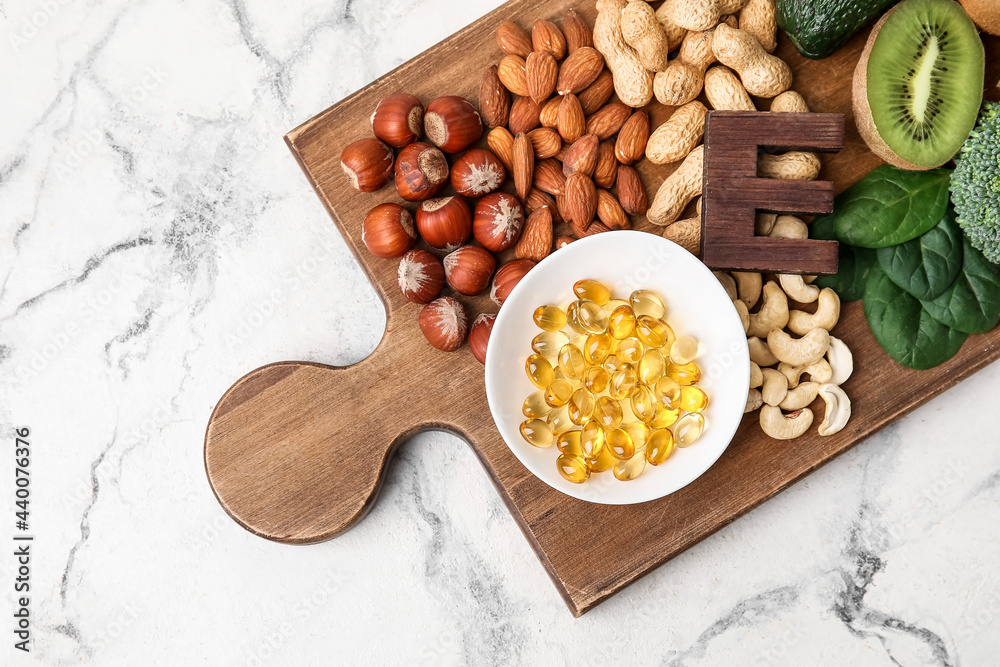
975,184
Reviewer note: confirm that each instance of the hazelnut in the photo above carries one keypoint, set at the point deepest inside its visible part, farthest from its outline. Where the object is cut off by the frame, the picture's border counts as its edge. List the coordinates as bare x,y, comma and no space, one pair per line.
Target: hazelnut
388,231
468,269
507,277
444,323
452,124
445,223
367,164
479,335
420,276
498,221
421,171
398,119
477,173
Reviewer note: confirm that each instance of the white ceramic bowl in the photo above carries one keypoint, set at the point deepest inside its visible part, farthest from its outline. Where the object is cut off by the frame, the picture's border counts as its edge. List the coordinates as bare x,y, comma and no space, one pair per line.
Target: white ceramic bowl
696,304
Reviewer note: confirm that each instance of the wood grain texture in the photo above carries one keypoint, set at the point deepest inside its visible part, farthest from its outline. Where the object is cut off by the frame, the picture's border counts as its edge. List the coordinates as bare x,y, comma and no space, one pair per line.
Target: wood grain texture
294,451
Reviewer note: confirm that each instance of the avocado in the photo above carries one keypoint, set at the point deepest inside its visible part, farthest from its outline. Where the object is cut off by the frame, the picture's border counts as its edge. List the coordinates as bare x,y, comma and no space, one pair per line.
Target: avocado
820,27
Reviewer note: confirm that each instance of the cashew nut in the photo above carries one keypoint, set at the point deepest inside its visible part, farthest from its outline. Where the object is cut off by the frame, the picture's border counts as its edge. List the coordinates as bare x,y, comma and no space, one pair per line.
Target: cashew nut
775,387
760,353
756,375
748,284
780,426
801,351
789,227
819,371
841,361
741,308
826,316
838,409
754,401
801,396
773,313
764,223
796,287
728,283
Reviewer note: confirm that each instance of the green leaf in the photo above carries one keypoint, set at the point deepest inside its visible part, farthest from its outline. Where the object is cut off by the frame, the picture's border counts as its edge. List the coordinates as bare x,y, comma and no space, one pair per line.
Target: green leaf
891,206
855,263
972,303
928,265
904,328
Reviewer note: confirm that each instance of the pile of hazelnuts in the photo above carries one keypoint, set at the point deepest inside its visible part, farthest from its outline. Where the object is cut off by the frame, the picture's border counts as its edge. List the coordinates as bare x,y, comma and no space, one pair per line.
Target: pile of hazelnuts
421,171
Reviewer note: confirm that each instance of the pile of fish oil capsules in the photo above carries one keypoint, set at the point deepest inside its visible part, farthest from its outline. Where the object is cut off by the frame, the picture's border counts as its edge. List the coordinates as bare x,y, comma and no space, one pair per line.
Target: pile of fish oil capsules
615,388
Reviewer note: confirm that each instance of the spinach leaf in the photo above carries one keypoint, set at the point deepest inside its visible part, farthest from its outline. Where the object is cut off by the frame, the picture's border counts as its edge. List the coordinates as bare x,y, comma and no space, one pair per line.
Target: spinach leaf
972,303
891,206
928,265
855,263
904,329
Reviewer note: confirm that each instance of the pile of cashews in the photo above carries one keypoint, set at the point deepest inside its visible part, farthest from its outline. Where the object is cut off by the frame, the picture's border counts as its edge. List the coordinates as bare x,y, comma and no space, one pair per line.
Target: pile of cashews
779,362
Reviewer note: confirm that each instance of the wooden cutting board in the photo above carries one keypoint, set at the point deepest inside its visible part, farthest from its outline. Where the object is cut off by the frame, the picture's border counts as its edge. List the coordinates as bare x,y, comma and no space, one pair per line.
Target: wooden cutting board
295,451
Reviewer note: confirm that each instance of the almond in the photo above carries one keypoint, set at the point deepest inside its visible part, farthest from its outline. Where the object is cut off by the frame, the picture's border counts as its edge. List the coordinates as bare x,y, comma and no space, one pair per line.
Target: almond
631,191
501,142
513,76
563,241
550,113
610,211
524,115
545,36
536,239
608,120
581,156
580,70
562,205
494,100
590,230
581,200
542,72
576,31
632,138
598,93
606,170
549,177
538,199
571,122
545,141
524,165
513,39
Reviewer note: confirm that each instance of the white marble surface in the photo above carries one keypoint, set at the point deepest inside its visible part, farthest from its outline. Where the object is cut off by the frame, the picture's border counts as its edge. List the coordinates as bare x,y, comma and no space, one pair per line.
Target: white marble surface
157,240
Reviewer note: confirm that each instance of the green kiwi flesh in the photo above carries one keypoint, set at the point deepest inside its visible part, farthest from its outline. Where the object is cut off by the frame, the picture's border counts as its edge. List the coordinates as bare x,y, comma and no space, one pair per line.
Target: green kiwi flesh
925,80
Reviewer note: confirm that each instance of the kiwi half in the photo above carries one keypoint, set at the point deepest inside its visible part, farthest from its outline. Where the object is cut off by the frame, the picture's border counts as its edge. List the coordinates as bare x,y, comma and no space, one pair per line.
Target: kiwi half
919,83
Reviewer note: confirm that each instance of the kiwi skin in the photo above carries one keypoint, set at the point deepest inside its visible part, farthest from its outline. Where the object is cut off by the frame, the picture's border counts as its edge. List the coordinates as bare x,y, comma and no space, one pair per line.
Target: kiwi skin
984,13
862,110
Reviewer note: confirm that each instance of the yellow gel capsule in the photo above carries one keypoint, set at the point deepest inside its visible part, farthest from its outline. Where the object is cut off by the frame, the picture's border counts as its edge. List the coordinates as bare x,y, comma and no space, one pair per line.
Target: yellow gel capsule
578,341
630,350
621,322
688,429
591,290
683,351
559,420
651,367
614,304
592,439
539,371
581,406
665,417
639,433
612,364
608,413
536,432
660,446
644,404
596,379
597,348
535,406
626,471
604,461
653,332
572,318
622,383
668,393
693,399
558,393
569,443
620,444
571,361
548,343
549,318
646,302
591,317
686,374
573,468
